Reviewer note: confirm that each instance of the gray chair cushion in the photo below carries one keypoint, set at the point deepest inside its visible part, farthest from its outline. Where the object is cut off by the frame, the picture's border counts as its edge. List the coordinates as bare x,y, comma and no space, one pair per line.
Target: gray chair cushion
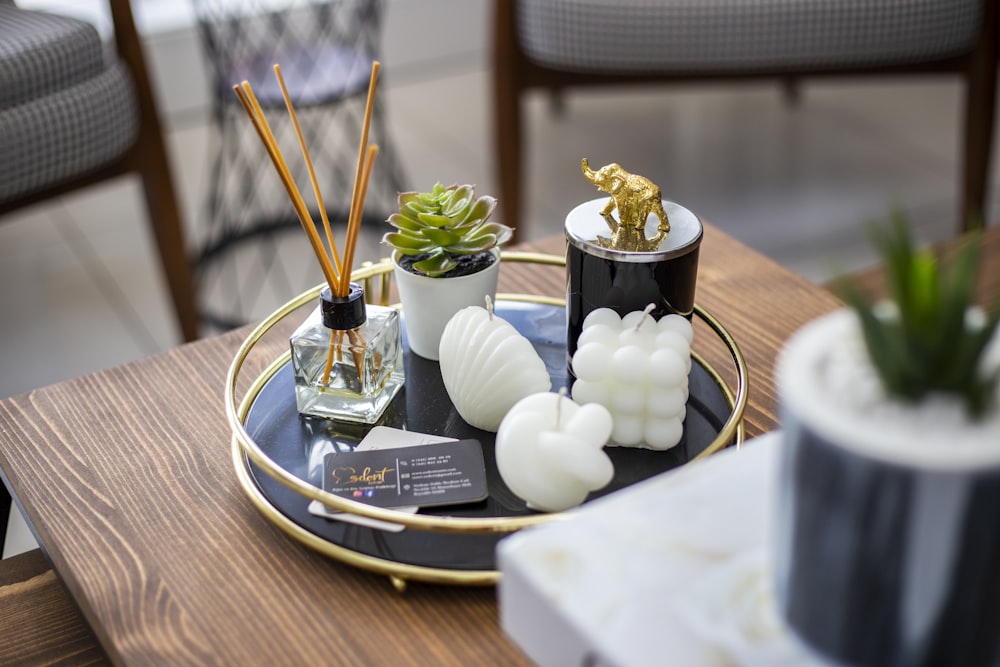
41,52
63,111
742,35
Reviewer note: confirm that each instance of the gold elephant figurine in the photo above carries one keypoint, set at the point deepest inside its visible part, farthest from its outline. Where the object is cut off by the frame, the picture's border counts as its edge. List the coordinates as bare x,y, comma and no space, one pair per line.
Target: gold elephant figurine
635,197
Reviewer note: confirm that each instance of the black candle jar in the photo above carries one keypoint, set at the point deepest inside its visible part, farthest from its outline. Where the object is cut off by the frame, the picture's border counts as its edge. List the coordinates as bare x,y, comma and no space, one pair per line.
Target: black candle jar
627,280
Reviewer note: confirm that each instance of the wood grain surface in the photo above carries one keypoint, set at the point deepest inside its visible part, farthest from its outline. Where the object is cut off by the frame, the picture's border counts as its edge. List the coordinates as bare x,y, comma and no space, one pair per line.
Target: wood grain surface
40,623
127,479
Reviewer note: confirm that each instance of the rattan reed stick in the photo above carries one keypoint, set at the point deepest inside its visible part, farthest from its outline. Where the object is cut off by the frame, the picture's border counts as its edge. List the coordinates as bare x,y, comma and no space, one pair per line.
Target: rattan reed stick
354,224
331,242
356,203
256,114
336,272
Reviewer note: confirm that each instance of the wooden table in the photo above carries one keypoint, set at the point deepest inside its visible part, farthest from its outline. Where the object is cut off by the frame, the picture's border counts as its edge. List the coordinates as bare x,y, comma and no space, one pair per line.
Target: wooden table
127,478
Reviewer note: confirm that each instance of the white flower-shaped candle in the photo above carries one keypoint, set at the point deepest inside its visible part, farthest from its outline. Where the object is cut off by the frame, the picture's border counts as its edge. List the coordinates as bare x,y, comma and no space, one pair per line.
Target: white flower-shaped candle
550,452
487,366
638,369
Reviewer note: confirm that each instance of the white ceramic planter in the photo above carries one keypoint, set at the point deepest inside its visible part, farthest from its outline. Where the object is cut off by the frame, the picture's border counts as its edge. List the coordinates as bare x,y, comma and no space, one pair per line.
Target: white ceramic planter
888,534
428,303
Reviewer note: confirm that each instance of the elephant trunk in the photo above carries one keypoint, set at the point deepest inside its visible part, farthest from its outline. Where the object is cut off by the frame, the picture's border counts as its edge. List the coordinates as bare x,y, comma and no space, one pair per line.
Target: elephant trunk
588,172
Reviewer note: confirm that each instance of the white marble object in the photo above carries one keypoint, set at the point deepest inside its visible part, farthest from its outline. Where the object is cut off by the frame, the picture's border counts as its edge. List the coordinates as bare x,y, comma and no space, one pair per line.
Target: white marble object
550,451
672,571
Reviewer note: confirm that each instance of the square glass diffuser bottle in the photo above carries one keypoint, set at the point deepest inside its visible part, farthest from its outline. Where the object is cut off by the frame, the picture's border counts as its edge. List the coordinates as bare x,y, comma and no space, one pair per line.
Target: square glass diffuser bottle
347,358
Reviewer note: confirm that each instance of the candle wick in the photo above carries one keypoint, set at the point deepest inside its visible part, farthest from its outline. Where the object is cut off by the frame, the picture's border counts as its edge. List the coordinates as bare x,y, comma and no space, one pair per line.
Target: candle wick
489,306
645,314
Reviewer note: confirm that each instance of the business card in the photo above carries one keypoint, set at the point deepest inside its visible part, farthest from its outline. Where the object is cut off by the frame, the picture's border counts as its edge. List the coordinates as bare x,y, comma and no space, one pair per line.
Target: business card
380,437
446,473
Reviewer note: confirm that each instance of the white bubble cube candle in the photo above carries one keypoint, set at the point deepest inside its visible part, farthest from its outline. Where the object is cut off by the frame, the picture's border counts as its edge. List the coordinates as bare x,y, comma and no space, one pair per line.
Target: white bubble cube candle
637,368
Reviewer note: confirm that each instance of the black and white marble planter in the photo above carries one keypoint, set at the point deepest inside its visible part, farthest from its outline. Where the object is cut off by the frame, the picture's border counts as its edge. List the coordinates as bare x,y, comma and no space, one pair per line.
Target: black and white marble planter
888,538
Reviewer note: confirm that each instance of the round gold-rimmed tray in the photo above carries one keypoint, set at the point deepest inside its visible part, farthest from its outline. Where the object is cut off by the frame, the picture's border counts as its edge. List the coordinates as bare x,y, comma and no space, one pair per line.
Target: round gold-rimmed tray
271,475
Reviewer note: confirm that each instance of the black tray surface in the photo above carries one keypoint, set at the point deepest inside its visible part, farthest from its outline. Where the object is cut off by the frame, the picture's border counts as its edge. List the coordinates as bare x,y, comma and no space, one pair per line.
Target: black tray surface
298,444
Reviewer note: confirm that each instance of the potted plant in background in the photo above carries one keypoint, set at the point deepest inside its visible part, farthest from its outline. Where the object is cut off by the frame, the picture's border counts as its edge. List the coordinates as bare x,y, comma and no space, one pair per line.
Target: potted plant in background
446,257
888,526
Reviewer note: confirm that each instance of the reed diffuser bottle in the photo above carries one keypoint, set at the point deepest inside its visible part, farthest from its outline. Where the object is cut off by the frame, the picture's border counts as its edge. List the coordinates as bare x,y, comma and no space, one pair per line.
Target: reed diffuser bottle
347,358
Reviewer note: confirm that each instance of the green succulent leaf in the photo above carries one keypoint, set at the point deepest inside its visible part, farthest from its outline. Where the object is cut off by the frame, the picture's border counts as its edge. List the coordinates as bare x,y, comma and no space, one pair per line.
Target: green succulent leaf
436,265
482,209
442,237
400,221
457,201
443,222
434,220
407,198
407,244
414,206
501,233
473,246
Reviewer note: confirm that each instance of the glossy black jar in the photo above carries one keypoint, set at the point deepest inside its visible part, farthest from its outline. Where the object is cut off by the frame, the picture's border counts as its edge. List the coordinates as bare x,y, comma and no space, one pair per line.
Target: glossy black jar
599,276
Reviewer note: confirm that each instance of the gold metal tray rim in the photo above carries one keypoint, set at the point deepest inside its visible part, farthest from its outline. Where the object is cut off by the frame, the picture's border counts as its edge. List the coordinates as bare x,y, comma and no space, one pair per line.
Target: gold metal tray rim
241,441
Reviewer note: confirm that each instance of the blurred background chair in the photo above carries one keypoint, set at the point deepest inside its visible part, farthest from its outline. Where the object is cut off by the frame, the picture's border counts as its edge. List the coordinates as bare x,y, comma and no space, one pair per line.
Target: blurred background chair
72,116
562,44
251,257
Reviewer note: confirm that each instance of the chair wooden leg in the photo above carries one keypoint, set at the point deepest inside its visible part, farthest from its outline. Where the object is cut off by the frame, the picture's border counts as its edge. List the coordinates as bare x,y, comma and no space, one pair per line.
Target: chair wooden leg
557,101
791,88
977,139
165,219
149,158
167,227
507,116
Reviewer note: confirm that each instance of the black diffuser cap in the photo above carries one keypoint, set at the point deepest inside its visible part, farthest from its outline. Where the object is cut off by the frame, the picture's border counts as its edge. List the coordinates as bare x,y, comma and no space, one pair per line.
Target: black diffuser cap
343,313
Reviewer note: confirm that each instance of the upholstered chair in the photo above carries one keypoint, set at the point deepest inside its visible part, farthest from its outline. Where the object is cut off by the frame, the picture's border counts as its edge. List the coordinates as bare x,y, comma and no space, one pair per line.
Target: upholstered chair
74,113
562,44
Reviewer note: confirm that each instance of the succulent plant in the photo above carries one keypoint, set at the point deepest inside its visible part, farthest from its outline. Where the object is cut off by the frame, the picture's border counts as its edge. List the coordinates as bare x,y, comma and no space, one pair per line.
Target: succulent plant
927,340
444,224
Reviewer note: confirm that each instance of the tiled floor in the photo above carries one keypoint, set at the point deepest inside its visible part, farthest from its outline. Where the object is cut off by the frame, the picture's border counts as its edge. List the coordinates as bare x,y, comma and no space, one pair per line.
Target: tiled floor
80,290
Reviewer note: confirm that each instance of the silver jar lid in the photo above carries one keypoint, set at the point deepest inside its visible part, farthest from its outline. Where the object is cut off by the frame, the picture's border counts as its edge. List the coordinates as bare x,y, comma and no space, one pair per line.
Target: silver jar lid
585,224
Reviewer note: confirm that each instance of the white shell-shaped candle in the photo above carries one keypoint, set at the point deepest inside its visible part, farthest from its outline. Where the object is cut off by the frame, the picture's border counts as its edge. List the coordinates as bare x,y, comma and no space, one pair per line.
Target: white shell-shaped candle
638,368
487,366
550,453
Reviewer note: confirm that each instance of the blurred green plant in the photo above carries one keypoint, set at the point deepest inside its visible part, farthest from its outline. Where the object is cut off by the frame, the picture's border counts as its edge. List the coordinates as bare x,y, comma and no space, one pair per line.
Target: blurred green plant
931,338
